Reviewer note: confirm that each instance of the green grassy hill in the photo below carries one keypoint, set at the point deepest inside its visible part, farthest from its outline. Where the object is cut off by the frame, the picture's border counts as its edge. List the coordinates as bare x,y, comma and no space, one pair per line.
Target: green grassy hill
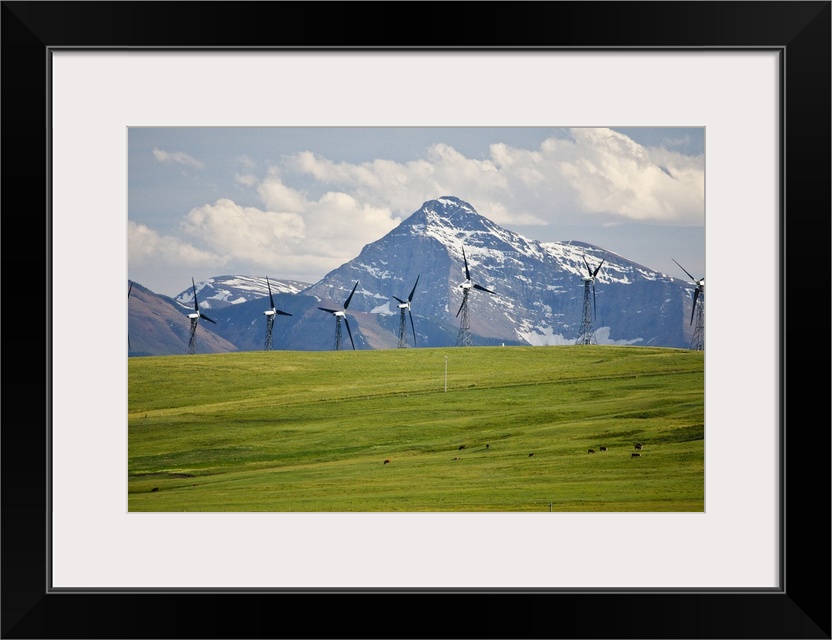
507,430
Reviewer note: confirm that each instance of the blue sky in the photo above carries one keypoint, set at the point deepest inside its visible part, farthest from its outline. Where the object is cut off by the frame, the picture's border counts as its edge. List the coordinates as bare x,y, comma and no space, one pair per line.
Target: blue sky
297,202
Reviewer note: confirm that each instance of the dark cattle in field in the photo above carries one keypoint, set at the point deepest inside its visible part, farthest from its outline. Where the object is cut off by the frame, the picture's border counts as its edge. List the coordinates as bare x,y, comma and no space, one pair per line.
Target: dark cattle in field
603,448
457,458
486,446
154,489
635,455
531,455
590,450
387,462
639,446
460,447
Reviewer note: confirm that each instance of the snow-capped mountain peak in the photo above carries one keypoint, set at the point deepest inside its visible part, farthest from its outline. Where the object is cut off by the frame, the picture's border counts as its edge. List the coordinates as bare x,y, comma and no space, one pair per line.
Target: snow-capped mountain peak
538,286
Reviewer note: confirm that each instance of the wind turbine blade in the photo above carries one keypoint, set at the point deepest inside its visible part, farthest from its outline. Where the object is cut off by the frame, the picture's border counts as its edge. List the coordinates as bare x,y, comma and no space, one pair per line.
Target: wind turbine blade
399,300
685,270
588,270
462,305
196,304
204,317
595,273
347,322
412,327
410,297
281,313
129,289
467,274
480,288
271,299
347,303
327,310
693,309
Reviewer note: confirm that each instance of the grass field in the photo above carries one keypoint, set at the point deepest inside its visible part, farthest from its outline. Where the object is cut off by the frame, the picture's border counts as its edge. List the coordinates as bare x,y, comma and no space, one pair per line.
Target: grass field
508,430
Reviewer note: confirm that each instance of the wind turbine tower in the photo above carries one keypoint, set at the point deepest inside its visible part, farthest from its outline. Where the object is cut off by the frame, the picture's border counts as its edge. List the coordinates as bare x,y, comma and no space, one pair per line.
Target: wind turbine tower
195,316
587,334
270,314
404,305
697,341
463,338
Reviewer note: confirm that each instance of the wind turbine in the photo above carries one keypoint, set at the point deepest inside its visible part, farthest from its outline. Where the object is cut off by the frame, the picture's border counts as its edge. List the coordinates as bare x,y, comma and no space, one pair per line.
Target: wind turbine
404,305
129,289
270,314
698,340
195,316
587,335
339,314
463,338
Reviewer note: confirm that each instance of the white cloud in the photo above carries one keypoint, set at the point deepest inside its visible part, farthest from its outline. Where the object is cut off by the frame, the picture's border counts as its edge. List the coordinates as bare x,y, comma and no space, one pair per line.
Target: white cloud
598,173
177,156
155,257
338,224
279,197
243,233
612,174
147,246
246,179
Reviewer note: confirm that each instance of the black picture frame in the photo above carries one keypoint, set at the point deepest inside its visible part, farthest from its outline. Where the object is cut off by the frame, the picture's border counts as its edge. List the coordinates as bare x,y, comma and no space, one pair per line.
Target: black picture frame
800,608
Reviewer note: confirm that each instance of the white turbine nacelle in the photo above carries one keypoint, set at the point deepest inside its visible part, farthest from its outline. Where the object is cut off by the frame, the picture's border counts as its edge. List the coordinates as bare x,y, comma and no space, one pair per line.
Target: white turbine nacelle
465,285
193,316
270,312
587,278
340,314
405,305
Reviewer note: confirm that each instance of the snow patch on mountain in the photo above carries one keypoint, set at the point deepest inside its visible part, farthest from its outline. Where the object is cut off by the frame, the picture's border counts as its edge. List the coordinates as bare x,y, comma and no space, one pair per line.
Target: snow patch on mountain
223,291
544,337
602,335
383,309
381,274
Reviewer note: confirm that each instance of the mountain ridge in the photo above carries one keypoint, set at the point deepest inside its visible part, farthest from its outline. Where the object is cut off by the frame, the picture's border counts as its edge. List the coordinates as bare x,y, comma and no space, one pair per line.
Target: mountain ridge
537,291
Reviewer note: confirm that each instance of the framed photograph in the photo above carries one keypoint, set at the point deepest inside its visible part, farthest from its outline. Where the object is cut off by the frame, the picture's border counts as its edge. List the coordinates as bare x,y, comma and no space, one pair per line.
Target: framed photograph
754,75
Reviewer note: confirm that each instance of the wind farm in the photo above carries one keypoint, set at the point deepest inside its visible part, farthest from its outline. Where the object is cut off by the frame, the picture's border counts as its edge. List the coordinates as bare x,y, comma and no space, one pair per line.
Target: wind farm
538,302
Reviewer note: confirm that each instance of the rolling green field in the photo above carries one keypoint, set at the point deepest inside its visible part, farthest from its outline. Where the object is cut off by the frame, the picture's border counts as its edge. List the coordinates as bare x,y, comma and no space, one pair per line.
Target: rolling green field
507,430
